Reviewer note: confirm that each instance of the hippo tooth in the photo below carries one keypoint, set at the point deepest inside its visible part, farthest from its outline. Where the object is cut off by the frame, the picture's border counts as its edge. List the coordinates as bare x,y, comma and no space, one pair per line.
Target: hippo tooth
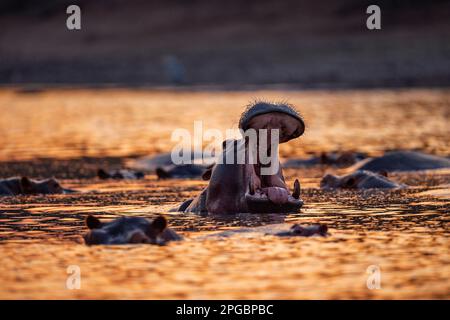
251,187
296,192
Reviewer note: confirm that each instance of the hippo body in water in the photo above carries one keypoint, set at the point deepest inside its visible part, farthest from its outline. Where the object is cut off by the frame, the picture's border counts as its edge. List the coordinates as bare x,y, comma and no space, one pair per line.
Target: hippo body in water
136,230
402,161
337,159
239,187
167,169
305,231
184,171
121,174
278,230
358,180
128,230
25,185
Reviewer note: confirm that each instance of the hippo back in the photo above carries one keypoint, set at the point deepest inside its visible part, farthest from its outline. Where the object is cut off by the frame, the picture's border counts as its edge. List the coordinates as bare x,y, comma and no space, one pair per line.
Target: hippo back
402,161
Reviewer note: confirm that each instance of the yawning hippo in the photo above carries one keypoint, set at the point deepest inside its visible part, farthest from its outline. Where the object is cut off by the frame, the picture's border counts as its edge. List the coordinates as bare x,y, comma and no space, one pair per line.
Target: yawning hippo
403,161
120,174
25,185
238,187
358,180
126,230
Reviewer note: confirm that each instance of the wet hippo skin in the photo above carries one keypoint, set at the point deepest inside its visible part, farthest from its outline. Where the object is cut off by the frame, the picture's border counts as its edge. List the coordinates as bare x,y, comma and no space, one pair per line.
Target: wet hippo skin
25,185
337,159
360,179
278,230
237,188
305,231
164,161
403,161
184,171
129,230
121,174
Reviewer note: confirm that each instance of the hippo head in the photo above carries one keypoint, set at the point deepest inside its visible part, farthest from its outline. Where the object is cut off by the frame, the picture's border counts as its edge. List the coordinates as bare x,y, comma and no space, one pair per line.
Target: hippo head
247,187
119,174
307,231
47,186
360,179
330,181
125,230
269,193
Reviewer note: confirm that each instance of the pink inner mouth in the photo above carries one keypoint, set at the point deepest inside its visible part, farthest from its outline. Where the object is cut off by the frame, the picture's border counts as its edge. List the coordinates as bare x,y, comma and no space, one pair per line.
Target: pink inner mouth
276,194
272,188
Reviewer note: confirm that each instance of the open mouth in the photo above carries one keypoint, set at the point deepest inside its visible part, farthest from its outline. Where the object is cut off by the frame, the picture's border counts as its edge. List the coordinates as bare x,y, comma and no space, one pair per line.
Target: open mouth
269,194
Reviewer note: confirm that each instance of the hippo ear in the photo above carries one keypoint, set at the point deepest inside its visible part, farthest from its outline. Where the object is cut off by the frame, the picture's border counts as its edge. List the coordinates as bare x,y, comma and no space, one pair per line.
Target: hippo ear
323,228
26,183
102,174
383,173
324,159
161,173
207,174
93,222
159,224
297,229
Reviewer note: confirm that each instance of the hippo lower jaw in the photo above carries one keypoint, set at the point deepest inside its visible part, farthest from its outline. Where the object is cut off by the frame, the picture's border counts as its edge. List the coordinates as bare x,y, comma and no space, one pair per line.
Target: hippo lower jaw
273,199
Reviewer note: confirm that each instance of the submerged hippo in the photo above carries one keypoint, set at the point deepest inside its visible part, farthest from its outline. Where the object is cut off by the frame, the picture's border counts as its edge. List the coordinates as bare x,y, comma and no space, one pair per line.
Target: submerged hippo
164,160
338,159
242,187
126,230
403,161
184,171
360,179
120,174
163,166
279,230
25,185
305,231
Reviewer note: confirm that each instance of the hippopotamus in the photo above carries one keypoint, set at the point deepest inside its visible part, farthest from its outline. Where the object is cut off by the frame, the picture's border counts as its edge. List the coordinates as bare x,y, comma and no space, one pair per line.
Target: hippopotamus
305,231
127,230
360,179
402,161
337,159
240,187
25,185
278,230
164,160
120,174
184,171
163,166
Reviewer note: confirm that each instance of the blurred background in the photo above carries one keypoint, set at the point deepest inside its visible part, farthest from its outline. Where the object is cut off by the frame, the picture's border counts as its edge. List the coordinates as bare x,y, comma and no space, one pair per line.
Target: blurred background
306,44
